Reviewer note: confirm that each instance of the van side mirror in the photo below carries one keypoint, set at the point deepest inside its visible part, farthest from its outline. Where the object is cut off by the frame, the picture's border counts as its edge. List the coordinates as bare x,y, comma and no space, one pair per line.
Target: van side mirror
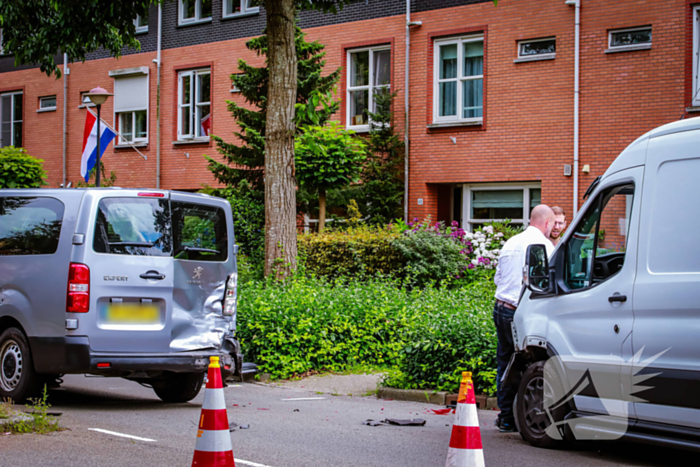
536,273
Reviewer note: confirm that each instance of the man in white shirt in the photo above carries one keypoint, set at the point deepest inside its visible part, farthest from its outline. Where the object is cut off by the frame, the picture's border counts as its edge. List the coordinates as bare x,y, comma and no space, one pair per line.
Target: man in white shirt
509,283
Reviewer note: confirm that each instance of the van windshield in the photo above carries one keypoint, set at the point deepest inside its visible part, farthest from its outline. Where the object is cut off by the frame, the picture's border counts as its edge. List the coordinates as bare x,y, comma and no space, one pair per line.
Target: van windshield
133,226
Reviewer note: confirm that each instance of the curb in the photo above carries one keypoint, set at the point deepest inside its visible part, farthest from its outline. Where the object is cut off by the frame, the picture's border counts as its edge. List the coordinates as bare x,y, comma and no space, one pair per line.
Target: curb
413,395
433,397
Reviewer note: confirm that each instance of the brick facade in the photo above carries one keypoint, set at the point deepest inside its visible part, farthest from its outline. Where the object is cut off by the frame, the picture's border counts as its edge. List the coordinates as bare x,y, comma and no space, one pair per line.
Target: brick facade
527,131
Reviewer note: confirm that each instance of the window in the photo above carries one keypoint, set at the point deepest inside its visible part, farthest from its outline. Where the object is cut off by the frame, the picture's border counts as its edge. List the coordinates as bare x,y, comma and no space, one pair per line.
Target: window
199,232
637,38
133,226
30,226
487,203
459,76
85,100
1,48
369,73
596,250
47,103
131,104
141,23
192,11
11,119
235,88
537,48
696,49
239,7
194,119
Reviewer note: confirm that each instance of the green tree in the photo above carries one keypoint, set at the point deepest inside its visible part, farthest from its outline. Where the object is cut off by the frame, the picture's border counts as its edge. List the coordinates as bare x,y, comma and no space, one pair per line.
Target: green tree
328,157
20,170
247,160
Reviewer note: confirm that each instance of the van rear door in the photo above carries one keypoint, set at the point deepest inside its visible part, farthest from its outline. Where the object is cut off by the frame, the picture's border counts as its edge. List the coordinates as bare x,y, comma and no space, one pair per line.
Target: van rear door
202,229
129,253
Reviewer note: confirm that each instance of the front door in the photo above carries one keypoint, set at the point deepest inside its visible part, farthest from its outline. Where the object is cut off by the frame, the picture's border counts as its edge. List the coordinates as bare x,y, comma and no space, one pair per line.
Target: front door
591,322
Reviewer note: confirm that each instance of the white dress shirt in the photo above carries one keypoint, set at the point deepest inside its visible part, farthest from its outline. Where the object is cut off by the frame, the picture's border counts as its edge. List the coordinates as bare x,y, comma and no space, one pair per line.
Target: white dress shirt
511,261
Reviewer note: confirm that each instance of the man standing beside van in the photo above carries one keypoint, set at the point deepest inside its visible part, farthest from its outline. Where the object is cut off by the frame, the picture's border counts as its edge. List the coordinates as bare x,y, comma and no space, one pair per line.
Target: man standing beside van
509,283
559,225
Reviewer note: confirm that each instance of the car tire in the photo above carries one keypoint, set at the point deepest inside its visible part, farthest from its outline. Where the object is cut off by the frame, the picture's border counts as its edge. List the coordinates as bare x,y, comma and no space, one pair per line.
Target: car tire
179,387
530,418
18,380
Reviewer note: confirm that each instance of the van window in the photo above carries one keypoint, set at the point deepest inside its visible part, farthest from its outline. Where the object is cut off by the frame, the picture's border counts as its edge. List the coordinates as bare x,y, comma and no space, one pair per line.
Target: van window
200,232
30,226
596,250
133,226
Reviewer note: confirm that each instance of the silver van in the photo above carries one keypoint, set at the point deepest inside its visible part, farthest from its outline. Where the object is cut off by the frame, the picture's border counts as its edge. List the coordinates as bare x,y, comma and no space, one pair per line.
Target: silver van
607,333
140,284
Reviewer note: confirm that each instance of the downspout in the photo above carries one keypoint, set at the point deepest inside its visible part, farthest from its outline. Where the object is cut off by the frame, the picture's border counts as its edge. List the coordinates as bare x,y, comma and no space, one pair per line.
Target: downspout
66,72
407,124
158,63
577,57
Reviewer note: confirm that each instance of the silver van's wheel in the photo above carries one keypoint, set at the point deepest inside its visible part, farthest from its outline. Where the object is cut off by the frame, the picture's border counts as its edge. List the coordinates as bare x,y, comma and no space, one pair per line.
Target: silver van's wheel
17,376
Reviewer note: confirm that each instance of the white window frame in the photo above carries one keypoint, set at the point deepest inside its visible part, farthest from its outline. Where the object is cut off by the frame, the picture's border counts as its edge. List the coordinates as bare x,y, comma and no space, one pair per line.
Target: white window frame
460,41
370,87
47,109
532,41
644,45
194,103
197,13
13,117
233,85
134,140
140,29
246,9
2,51
468,222
696,60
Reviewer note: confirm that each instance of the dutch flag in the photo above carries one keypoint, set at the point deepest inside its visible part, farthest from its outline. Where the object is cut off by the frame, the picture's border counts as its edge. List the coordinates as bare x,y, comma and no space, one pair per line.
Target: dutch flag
90,144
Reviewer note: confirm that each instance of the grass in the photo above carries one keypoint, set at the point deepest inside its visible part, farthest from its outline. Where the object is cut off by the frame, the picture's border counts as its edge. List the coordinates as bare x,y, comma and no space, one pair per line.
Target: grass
41,422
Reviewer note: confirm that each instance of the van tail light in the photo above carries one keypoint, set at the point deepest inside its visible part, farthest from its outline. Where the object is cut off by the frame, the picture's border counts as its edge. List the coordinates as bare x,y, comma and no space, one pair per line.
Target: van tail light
231,295
78,300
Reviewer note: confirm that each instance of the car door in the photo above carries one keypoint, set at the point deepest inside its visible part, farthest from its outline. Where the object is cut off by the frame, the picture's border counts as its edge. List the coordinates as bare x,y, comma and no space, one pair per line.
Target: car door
590,321
204,257
128,250
667,289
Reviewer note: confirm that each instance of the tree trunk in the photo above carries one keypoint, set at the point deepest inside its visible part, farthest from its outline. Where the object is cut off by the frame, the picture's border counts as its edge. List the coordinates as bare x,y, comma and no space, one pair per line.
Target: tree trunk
321,210
280,185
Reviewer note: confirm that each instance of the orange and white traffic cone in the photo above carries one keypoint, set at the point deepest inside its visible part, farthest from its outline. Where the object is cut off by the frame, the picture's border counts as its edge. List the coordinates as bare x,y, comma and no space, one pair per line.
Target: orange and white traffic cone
465,444
213,448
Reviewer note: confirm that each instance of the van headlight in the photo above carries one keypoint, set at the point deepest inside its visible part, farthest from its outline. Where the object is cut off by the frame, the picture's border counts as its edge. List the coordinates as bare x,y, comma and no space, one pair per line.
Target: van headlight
231,296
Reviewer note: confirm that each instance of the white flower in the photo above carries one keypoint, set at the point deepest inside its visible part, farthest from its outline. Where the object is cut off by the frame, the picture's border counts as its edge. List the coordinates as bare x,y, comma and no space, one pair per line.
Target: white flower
488,229
499,234
503,242
475,262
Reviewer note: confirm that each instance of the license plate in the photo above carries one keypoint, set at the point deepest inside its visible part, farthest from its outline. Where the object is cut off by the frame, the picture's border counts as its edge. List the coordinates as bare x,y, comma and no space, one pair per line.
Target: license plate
133,313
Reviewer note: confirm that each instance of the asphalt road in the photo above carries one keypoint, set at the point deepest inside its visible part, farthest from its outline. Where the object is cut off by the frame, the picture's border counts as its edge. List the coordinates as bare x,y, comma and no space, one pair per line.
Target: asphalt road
323,432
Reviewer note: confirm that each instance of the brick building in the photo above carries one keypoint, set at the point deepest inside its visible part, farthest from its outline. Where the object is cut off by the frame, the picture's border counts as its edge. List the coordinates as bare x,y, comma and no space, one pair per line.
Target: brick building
492,116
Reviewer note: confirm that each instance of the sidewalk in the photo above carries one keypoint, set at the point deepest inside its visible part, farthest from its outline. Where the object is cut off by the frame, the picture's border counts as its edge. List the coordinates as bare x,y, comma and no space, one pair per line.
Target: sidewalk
338,385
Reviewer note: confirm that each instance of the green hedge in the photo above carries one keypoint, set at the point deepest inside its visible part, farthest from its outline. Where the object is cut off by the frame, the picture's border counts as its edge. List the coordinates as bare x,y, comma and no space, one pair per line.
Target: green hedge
428,335
359,251
20,170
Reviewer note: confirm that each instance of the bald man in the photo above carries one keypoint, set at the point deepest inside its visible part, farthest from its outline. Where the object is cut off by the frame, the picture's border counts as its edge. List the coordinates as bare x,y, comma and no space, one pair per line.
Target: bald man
509,283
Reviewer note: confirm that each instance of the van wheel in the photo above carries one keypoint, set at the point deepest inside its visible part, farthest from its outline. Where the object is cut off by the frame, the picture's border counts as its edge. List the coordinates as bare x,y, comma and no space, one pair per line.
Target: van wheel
18,380
179,387
531,418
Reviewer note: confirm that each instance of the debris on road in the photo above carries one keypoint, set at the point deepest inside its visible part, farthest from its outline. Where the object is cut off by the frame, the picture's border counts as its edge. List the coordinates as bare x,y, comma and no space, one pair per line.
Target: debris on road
395,421
441,411
244,427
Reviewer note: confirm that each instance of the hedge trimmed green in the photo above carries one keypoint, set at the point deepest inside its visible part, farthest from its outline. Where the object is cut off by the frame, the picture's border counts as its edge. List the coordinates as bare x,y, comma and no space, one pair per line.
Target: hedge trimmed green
429,335
20,170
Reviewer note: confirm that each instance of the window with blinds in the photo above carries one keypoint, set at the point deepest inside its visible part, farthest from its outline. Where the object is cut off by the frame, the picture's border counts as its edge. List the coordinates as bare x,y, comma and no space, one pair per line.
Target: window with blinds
131,105
483,204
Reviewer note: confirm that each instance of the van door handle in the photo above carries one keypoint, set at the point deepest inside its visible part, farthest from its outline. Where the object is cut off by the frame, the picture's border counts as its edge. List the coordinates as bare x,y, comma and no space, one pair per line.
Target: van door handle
152,275
617,298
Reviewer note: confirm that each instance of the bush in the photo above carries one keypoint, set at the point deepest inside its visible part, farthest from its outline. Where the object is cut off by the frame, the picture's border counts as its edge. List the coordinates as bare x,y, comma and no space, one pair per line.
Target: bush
362,250
20,170
456,339
310,324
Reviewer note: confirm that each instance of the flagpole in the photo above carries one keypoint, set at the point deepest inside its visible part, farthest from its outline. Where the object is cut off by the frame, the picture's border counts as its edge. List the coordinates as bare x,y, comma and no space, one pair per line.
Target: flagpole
99,137
120,135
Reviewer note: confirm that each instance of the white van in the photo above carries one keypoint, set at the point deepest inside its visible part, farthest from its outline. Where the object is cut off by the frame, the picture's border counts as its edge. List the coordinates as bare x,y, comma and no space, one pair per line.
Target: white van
607,333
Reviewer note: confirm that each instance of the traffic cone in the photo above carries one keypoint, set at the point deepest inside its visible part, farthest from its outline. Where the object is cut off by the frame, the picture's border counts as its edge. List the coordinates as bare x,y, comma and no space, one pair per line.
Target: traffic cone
213,447
465,443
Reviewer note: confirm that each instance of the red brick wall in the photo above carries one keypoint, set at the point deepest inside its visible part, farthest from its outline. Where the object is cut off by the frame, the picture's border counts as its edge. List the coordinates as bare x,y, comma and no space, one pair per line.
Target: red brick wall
528,106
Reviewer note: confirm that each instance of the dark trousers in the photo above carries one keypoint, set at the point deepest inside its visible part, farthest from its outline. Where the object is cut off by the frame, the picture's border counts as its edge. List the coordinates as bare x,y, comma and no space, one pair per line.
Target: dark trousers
503,319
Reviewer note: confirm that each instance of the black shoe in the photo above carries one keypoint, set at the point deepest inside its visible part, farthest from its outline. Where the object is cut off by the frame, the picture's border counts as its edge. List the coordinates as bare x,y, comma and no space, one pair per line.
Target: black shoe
508,427
497,422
